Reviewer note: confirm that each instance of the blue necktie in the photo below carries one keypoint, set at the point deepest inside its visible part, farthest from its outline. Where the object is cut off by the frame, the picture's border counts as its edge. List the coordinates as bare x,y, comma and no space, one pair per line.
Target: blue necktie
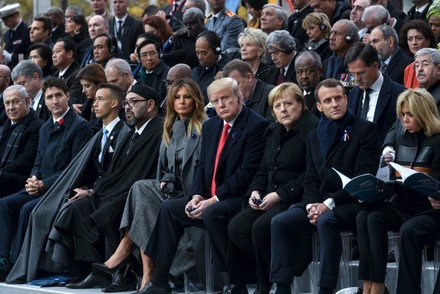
103,142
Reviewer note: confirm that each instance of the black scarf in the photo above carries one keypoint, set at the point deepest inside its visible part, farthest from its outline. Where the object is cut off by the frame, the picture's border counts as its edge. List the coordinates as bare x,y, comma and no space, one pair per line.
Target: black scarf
330,132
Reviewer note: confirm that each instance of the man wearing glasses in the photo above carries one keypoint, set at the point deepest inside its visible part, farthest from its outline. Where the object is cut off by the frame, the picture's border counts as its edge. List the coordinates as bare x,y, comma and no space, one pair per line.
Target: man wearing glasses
153,70
95,217
282,48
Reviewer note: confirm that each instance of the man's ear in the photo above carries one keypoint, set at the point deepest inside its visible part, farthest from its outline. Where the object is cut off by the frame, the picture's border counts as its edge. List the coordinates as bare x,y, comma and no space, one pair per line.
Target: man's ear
319,106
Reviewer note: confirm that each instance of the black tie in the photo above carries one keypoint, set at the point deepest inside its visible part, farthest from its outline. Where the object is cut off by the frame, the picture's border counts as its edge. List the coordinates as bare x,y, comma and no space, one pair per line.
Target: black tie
132,142
417,15
366,105
11,35
119,33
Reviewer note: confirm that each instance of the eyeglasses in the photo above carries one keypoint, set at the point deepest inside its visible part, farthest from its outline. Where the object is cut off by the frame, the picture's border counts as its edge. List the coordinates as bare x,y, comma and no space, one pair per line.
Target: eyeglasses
132,102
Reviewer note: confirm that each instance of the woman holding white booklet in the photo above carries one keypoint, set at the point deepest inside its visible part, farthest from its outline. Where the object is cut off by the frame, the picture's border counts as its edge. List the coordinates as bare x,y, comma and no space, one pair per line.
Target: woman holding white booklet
417,148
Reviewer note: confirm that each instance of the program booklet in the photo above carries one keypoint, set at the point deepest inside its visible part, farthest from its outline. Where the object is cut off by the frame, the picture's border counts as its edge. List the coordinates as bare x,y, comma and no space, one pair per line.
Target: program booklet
418,181
366,187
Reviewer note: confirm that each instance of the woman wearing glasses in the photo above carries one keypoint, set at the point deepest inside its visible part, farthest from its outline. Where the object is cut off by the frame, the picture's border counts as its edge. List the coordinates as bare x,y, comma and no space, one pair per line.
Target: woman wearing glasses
179,152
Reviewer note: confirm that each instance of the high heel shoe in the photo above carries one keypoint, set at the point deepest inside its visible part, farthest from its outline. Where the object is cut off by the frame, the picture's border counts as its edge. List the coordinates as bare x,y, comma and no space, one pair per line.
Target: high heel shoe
102,267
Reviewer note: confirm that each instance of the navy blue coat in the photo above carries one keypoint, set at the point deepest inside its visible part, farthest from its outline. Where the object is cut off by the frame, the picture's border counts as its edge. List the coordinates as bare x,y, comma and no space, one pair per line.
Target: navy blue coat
19,44
57,146
358,155
239,160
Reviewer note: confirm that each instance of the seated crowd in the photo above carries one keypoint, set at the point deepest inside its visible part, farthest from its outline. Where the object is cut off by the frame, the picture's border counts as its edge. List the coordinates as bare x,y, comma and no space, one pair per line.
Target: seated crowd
123,143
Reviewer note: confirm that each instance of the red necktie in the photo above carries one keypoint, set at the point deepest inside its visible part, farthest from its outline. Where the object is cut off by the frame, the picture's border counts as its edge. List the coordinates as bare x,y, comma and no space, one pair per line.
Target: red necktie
280,78
221,143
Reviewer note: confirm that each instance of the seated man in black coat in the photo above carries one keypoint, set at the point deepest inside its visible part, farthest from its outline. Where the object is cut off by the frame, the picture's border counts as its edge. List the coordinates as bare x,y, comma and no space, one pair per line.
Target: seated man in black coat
60,139
229,160
90,164
254,91
18,140
350,145
87,228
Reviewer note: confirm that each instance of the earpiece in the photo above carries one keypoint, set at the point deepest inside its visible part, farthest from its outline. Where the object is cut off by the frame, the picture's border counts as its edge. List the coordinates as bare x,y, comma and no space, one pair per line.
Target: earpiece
322,25
218,50
348,38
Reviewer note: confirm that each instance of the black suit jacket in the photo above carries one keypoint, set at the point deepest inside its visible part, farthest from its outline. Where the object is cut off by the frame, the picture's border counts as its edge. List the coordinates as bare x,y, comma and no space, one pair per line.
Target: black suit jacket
385,113
258,100
132,29
396,67
19,44
358,155
294,24
109,148
412,13
239,160
290,75
15,166
42,112
73,84
58,33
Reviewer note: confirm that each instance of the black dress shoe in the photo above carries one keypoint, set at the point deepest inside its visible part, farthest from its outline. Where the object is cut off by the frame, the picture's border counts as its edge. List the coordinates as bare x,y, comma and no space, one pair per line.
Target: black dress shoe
236,289
102,267
152,289
122,283
98,280
263,289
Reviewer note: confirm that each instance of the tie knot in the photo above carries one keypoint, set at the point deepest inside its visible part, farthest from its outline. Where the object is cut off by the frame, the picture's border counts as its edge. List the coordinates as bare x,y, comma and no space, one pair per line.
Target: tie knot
368,91
226,127
105,132
120,22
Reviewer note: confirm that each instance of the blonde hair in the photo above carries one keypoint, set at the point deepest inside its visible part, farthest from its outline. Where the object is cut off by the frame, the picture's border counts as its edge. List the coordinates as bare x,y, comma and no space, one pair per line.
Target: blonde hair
422,106
198,115
320,20
286,89
256,36
222,83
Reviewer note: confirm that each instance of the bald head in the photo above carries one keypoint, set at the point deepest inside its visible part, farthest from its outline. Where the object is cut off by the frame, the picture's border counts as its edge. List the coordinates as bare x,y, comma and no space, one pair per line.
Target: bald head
178,71
5,72
357,11
97,25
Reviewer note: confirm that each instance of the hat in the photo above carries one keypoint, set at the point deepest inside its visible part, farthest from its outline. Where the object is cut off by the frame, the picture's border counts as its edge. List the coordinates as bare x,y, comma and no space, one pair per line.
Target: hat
434,10
9,10
146,92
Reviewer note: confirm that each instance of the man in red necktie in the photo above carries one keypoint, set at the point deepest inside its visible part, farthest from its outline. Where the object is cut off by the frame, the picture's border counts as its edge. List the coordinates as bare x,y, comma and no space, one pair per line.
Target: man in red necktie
232,148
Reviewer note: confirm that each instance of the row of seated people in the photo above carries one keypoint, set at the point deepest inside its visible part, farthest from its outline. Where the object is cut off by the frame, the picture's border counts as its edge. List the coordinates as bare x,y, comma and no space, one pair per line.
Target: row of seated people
340,137
273,68
362,47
